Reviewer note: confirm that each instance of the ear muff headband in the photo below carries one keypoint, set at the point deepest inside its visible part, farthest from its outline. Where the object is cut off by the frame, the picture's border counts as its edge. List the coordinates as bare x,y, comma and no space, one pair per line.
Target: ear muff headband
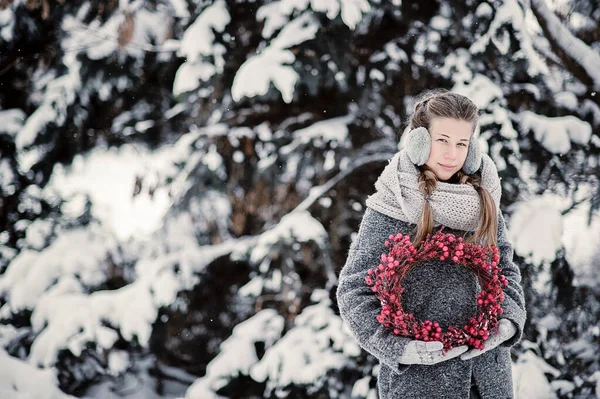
418,147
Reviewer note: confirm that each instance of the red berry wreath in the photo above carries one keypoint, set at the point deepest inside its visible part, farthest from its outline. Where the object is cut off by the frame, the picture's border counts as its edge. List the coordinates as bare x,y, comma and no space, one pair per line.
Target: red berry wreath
386,280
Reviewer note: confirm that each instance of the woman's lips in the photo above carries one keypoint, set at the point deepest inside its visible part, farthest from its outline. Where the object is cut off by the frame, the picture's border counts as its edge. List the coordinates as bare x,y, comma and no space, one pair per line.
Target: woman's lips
446,166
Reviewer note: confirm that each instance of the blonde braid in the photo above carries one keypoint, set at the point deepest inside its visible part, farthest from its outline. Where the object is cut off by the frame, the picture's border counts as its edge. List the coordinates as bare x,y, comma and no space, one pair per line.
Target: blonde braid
486,232
427,183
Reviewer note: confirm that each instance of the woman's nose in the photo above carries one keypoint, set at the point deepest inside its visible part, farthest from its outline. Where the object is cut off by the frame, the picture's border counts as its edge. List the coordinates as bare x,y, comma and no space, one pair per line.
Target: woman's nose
450,153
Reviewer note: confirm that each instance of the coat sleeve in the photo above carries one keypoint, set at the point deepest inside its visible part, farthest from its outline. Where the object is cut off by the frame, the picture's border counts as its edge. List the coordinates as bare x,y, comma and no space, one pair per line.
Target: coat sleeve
514,299
356,301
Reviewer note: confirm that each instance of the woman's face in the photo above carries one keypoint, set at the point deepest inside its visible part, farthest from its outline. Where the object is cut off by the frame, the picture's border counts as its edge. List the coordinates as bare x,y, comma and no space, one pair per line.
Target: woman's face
449,144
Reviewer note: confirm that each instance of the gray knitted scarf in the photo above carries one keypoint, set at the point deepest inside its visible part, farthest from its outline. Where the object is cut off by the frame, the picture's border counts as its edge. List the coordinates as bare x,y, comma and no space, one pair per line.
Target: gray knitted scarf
456,206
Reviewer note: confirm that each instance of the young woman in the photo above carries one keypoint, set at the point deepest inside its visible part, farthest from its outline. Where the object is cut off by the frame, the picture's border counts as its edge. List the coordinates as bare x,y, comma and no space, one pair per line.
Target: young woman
439,178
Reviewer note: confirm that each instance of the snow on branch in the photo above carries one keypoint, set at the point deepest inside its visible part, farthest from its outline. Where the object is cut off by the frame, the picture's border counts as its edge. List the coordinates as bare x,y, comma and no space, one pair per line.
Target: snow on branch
21,380
316,344
54,280
542,225
238,353
489,97
296,226
204,56
582,60
7,21
96,41
510,13
276,14
536,228
8,180
556,134
272,64
581,234
76,258
130,29
530,380
60,94
11,121
67,319
358,162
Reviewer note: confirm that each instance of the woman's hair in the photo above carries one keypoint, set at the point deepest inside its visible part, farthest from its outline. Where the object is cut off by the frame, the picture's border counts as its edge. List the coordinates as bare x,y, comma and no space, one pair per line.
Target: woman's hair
442,103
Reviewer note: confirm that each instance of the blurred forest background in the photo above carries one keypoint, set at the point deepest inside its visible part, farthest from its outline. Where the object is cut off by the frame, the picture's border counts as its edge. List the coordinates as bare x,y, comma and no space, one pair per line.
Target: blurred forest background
180,181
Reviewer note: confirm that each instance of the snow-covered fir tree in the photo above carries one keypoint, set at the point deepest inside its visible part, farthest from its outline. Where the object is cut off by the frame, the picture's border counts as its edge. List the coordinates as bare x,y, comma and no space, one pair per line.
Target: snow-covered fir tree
180,181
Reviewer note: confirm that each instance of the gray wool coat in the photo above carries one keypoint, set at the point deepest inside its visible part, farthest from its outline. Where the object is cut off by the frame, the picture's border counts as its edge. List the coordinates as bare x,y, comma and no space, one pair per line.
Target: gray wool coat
436,290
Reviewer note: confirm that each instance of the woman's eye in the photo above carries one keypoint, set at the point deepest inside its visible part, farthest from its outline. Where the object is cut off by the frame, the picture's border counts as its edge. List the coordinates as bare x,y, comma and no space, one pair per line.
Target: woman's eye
463,144
442,140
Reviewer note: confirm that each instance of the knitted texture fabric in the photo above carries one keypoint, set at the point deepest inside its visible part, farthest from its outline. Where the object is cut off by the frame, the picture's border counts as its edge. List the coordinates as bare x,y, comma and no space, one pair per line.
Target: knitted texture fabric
437,290
418,146
456,206
474,157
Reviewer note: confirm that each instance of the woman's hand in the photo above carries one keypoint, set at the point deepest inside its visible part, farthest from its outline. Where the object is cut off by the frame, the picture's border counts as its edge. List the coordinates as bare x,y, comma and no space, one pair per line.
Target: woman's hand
506,330
421,352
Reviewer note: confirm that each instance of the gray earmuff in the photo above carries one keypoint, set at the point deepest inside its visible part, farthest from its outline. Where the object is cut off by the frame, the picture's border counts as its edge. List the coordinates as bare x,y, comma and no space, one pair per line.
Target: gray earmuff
418,147
473,160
